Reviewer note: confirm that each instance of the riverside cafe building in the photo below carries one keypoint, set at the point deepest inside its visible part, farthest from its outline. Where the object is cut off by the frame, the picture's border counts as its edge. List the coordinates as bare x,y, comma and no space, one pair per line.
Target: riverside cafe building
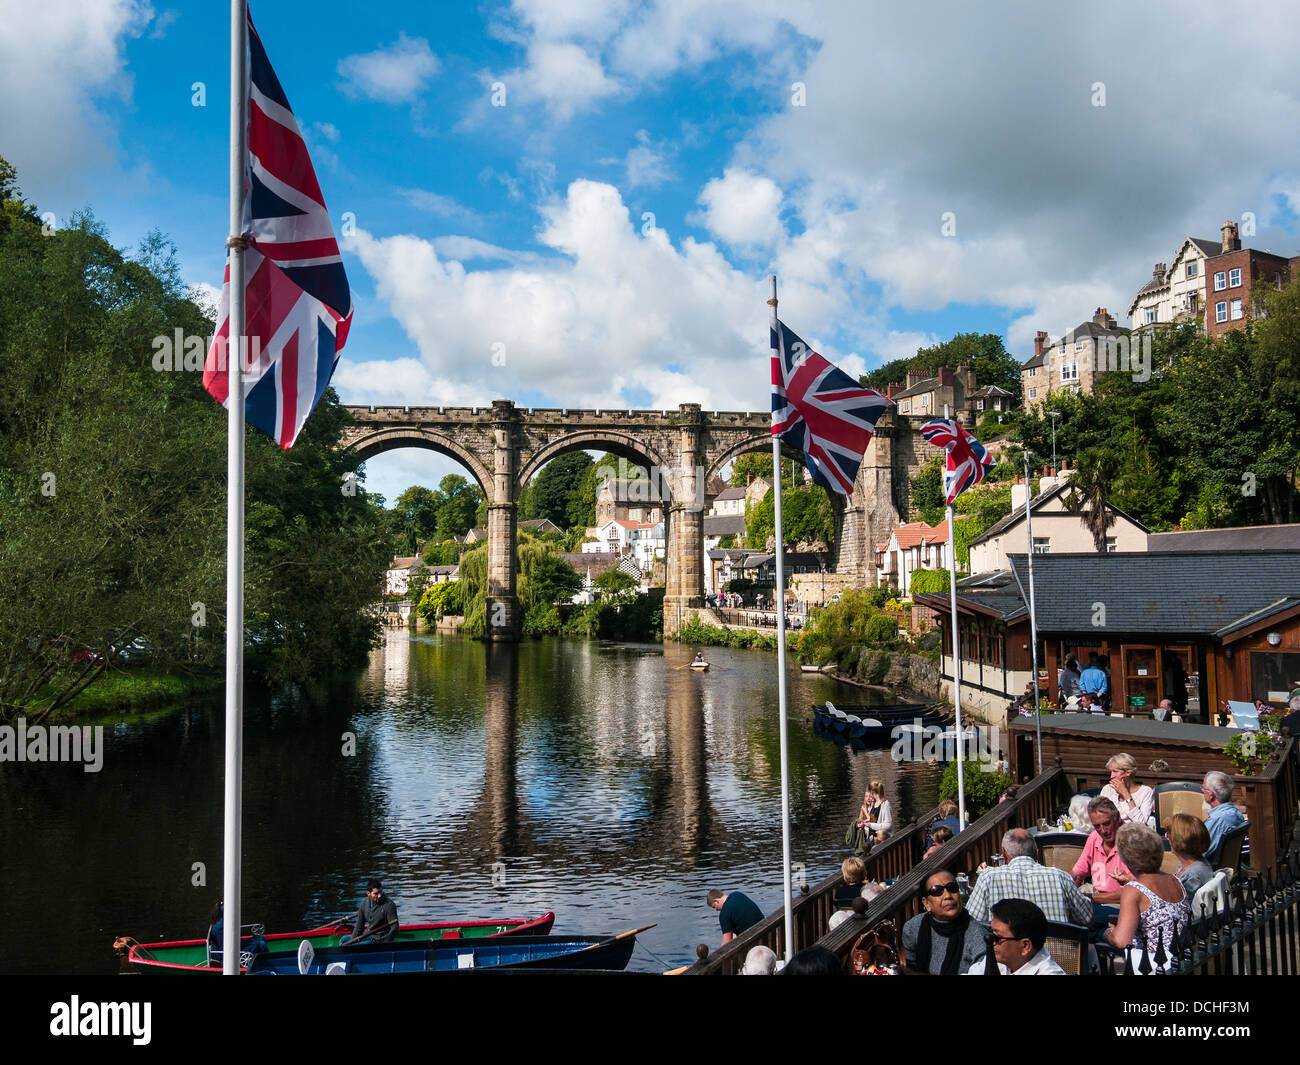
1228,621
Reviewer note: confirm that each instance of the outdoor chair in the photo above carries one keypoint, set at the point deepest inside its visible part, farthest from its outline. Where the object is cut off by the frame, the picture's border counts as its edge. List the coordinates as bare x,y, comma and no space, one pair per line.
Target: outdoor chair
1060,850
1178,797
1068,946
1230,849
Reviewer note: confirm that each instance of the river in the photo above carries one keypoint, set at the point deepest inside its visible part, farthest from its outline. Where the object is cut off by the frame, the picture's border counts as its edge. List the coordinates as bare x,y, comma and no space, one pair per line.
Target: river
602,781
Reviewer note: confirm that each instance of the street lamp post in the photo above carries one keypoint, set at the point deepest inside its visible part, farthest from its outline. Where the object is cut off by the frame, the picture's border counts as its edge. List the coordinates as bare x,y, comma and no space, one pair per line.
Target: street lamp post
1053,414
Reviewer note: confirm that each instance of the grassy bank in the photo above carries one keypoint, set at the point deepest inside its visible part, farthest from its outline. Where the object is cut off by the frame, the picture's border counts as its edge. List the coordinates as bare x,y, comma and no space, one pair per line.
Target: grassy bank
135,689
711,636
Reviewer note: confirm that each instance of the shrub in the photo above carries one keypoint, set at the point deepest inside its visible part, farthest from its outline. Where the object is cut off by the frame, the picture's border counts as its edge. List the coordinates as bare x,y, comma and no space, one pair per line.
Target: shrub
882,629
983,790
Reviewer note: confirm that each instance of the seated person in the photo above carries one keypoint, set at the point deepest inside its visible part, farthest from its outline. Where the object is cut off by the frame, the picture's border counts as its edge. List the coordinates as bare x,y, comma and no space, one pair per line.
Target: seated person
1216,790
941,835
1135,802
376,919
1018,938
855,872
944,940
1101,864
1189,840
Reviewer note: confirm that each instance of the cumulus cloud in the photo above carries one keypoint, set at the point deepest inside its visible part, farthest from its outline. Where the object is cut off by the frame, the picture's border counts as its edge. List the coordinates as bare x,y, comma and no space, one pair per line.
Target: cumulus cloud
743,209
395,74
647,165
563,76
613,319
59,61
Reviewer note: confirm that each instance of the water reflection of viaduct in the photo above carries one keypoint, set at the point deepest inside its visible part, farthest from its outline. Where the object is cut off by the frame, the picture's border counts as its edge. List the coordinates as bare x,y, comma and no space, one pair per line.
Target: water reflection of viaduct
503,446
676,813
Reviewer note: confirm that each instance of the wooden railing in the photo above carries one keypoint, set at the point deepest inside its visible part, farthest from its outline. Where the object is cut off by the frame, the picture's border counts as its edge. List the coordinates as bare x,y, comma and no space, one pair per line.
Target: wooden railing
812,910
899,859
1039,798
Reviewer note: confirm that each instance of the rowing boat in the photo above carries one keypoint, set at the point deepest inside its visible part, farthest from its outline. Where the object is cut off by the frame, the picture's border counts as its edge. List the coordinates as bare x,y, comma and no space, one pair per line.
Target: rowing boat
192,955
508,952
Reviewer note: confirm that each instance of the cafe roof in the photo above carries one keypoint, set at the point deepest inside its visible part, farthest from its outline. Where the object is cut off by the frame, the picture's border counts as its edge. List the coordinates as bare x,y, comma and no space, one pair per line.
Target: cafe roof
1209,592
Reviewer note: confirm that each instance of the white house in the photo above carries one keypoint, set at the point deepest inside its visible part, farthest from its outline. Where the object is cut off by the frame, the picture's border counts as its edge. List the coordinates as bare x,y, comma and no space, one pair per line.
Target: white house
1056,531
645,541
909,548
1176,292
399,574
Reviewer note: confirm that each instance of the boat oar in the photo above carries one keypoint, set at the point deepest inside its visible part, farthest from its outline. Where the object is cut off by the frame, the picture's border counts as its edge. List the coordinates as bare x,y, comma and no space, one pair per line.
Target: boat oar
333,925
367,935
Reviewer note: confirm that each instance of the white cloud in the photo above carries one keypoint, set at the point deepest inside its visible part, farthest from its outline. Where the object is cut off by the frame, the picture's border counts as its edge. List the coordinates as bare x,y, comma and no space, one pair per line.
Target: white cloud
396,74
563,76
207,296
58,60
326,131
615,316
743,209
647,166
437,204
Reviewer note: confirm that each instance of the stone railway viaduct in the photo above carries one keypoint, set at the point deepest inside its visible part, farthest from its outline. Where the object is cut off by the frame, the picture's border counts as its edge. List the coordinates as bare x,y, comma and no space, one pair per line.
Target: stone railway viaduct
504,446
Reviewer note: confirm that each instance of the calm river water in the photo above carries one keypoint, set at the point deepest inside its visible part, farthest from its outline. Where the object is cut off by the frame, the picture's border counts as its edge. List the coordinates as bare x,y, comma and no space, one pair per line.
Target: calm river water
597,780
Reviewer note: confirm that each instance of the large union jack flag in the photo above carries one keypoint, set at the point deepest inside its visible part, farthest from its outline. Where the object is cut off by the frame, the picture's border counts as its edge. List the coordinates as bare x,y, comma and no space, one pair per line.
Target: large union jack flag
298,306
821,410
968,462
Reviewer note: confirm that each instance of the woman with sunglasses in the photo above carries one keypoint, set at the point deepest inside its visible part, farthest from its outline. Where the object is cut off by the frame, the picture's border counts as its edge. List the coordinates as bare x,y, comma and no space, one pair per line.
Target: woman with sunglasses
945,940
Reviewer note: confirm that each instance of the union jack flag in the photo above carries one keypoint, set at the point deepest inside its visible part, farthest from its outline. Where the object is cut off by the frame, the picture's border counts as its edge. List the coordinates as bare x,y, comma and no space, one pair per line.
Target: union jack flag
821,410
968,462
297,304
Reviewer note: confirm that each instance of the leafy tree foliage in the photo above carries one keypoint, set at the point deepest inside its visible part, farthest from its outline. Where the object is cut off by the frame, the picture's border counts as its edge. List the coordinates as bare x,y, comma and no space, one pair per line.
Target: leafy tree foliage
112,486
988,356
557,491
806,515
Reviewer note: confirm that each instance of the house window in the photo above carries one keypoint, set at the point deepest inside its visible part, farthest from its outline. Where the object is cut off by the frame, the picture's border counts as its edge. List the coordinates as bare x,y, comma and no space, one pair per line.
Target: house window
1149,315
1236,310
979,404
1234,278
1078,345
1111,545
1042,545
1033,393
1193,269
1220,281
1070,371
1221,311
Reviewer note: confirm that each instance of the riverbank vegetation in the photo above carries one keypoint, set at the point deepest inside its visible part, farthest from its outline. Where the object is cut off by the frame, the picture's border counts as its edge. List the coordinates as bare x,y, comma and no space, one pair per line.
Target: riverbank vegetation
113,486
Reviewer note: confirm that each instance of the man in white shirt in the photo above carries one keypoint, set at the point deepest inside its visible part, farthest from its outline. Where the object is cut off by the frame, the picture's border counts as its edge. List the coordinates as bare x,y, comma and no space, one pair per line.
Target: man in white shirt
1019,932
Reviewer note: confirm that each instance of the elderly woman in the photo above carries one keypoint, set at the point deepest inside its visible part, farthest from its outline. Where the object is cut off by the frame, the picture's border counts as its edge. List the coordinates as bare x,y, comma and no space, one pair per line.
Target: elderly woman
1078,815
760,961
1135,802
1151,904
1189,840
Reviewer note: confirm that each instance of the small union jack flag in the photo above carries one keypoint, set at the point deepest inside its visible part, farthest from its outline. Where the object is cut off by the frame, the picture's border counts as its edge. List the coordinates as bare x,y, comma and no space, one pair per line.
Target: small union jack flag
297,303
822,411
968,462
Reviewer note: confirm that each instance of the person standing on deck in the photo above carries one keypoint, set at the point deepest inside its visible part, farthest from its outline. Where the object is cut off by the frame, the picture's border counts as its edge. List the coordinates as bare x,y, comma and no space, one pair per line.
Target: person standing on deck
1093,680
736,912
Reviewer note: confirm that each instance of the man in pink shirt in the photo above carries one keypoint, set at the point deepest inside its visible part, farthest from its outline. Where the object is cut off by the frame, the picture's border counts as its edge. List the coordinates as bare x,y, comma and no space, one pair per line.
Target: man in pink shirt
1100,862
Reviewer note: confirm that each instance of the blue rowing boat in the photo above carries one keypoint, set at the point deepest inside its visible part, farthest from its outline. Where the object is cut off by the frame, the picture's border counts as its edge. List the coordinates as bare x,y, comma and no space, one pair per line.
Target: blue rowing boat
521,952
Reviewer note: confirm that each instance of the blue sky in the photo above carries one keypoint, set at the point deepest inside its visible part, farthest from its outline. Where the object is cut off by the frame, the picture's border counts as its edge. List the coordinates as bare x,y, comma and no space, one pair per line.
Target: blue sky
826,142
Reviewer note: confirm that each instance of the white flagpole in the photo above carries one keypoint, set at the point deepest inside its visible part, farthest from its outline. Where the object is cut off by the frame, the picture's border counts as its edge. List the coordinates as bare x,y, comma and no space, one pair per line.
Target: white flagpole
235,349
780,675
956,659
1033,617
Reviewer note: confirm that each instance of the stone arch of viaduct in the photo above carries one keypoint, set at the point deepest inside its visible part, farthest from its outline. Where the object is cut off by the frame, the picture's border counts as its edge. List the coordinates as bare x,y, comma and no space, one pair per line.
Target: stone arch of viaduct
503,446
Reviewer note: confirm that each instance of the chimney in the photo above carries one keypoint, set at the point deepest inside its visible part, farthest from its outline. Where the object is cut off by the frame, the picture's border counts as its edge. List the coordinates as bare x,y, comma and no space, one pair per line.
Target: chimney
1158,274
891,388
1040,342
1231,241
1018,492
945,376
913,376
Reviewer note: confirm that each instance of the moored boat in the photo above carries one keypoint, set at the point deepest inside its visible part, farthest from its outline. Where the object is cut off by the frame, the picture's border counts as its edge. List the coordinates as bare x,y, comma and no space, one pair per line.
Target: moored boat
877,722
507,952
193,956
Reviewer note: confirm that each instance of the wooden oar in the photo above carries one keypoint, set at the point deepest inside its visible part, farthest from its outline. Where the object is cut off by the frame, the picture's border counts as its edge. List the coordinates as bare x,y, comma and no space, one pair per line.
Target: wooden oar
367,935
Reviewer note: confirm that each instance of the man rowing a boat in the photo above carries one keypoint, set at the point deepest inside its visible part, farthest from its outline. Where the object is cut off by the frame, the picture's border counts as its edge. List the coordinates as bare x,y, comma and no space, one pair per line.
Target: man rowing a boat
376,919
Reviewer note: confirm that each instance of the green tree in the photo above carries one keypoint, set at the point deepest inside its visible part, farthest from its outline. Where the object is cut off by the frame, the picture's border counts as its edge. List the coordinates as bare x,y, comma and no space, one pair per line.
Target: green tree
986,353
457,505
614,587
806,515
417,517
1089,492
557,491
751,465
928,502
